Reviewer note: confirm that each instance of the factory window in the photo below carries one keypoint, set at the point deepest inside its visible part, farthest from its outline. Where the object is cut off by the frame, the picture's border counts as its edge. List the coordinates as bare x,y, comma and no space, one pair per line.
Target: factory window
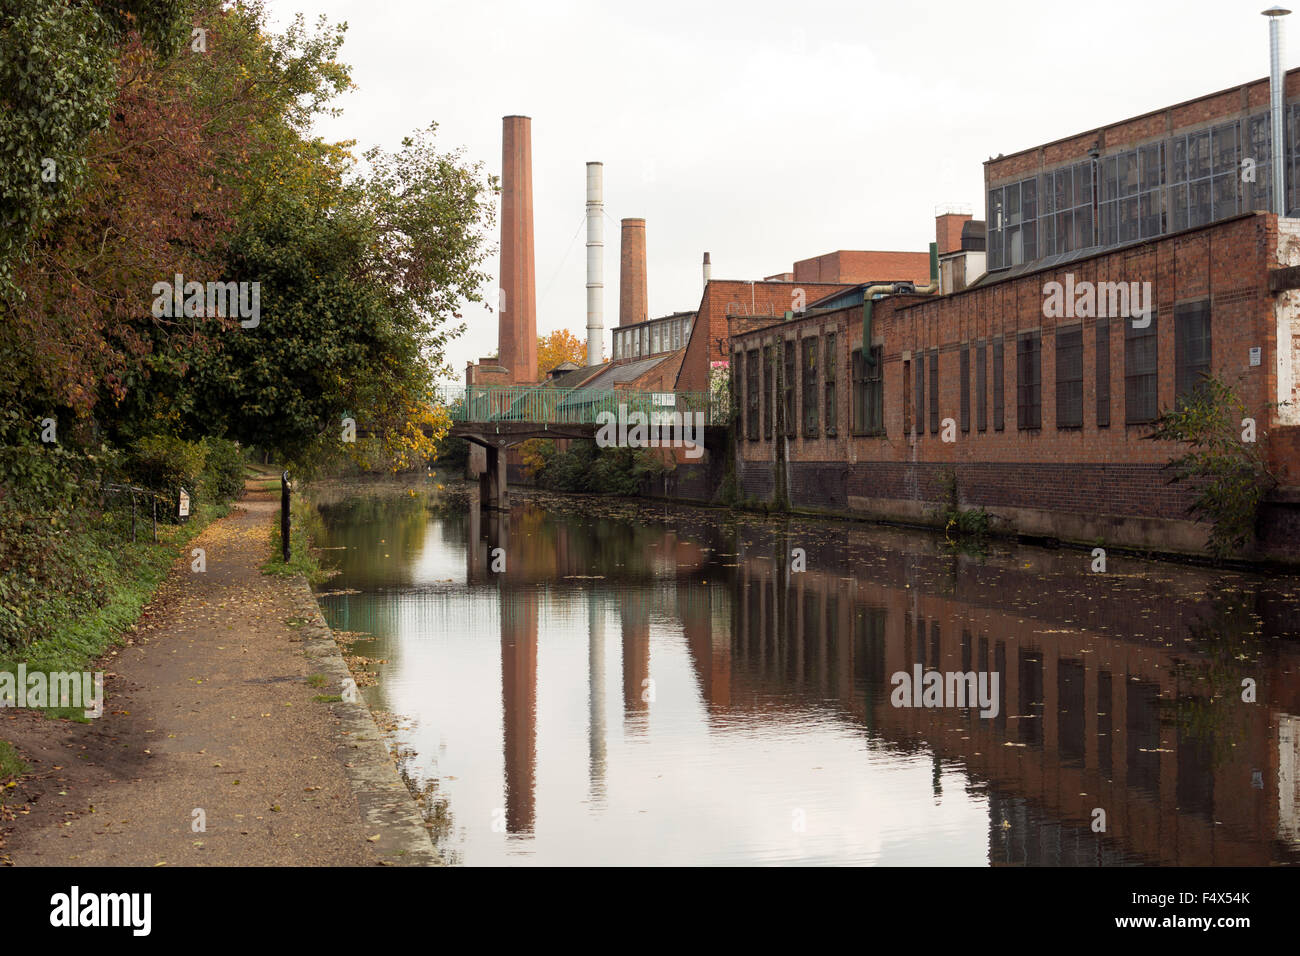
964,359
751,394
1103,373
1013,224
934,391
1029,381
645,341
769,392
733,379
1129,204
787,379
1191,347
919,393
677,334
1203,173
999,387
686,329
982,388
829,364
618,340
655,344
1065,210
1141,376
868,393
809,380
1069,378
1257,142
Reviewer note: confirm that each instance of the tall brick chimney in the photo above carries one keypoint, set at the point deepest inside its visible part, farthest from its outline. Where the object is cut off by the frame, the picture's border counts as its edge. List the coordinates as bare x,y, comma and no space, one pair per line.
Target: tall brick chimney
947,231
517,312
632,301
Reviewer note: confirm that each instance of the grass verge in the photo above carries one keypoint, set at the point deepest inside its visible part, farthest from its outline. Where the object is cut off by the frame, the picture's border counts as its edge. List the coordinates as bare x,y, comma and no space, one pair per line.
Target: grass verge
303,529
126,575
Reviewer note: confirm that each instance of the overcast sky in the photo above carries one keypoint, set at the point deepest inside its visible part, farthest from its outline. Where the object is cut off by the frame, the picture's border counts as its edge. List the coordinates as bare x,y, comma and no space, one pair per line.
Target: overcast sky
762,132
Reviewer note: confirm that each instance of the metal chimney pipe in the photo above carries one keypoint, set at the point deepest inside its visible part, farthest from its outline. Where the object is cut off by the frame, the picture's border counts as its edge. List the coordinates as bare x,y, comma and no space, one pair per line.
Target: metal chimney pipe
595,261
1277,95
708,269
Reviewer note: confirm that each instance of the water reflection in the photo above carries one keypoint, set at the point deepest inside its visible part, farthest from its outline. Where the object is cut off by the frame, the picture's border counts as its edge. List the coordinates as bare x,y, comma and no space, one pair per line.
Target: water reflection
647,685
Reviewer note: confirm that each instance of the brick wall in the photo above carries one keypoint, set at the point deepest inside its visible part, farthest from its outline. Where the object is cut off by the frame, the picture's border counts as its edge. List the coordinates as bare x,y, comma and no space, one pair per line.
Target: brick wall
853,266
1089,470
1238,101
726,296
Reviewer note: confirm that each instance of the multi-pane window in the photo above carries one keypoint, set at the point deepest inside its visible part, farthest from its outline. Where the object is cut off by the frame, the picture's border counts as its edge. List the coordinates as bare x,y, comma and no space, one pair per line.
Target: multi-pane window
1141,390
1013,224
1191,347
1065,212
769,391
999,387
1029,381
737,370
618,340
919,393
934,391
751,394
1129,205
808,367
1069,378
964,360
1203,176
868,394
829,365
788,370
982,388
1103,373
645,340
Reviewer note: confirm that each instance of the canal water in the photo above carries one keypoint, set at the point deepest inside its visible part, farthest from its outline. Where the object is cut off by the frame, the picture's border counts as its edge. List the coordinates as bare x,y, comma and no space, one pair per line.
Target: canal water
585,681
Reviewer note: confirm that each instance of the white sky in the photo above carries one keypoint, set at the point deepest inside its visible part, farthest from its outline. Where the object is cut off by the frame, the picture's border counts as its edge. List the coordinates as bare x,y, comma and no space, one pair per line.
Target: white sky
762,132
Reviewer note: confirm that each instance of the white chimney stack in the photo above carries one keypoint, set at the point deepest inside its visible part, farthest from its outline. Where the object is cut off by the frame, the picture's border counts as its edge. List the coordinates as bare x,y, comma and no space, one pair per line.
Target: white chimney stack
595,261
708,269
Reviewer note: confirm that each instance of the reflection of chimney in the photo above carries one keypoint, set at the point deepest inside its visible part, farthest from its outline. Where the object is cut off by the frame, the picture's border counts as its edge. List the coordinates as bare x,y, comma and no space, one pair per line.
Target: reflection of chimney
519,703
517,309
708,269
632,305
595,260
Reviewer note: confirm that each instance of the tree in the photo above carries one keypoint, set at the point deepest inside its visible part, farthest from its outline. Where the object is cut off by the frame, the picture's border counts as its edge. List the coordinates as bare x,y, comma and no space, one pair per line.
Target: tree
557,348
1223,462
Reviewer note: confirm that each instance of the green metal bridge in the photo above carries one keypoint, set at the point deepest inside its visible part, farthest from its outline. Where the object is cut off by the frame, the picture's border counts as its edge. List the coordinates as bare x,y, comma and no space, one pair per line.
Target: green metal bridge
539,405
498,417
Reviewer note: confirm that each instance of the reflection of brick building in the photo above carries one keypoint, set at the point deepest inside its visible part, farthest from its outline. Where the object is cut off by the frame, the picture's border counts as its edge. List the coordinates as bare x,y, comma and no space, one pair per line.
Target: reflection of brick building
1089,717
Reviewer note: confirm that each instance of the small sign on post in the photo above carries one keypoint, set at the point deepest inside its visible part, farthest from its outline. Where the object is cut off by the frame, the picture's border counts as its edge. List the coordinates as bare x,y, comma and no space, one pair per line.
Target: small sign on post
183,509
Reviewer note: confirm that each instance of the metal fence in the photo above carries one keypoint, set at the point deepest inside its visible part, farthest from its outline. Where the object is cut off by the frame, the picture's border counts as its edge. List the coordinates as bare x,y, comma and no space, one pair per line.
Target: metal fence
578,406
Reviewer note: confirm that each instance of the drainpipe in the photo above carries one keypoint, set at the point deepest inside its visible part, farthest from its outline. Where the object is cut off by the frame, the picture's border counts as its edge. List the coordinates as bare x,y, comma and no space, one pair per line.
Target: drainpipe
887,288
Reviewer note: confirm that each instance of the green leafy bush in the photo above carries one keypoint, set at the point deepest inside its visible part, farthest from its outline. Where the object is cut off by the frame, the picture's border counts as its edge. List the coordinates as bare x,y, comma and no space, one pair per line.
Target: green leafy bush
1229,472
223,471
165,463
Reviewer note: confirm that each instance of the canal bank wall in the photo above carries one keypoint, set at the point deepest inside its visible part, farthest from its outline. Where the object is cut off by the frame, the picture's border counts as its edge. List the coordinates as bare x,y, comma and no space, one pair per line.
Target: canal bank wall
1063,507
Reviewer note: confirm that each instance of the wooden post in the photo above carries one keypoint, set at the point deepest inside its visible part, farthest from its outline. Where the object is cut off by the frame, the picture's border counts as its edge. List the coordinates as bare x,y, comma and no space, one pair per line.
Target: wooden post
155,517
284,515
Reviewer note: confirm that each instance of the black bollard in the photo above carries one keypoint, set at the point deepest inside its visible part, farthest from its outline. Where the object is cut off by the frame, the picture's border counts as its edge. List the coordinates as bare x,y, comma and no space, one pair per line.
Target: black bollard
284,515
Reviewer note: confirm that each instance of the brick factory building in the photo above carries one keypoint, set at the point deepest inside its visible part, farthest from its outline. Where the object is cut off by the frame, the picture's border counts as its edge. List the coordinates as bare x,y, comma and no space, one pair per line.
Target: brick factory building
1047,392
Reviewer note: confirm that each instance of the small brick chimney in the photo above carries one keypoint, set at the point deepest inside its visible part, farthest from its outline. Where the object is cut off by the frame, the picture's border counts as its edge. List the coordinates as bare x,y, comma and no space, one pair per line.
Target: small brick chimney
947,231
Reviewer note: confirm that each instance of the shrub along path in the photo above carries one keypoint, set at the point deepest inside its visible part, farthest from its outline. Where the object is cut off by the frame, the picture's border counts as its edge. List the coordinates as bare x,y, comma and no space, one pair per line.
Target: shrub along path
208,707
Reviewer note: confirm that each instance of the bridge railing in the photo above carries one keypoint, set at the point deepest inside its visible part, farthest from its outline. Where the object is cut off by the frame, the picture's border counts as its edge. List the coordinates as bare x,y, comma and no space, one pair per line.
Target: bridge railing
578,406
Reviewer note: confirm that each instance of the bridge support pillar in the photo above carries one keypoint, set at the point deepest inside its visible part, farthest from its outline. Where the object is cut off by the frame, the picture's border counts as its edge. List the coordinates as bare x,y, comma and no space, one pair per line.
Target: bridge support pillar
492,491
